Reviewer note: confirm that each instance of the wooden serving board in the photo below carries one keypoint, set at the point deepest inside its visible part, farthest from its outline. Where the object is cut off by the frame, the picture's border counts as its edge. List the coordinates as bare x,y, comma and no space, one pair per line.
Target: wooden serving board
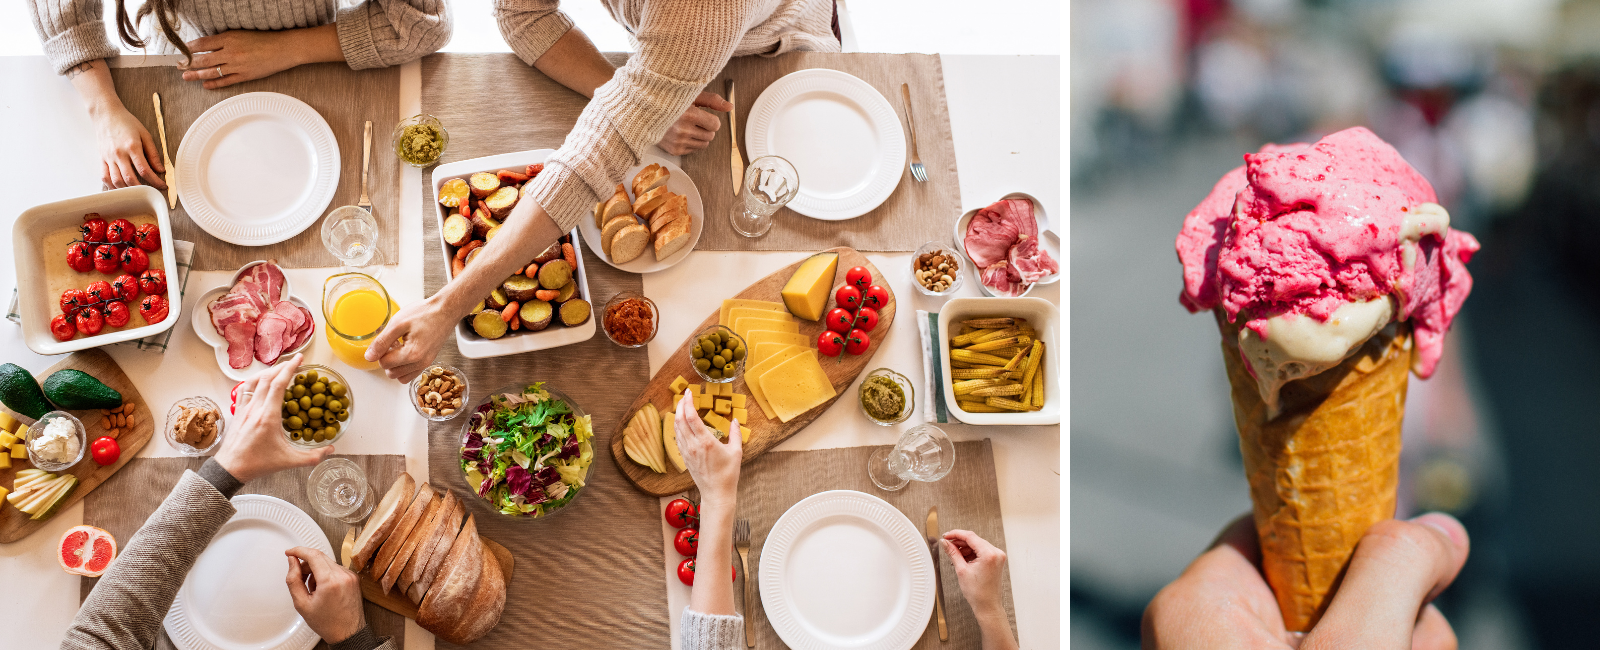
768,432
396,602
15,524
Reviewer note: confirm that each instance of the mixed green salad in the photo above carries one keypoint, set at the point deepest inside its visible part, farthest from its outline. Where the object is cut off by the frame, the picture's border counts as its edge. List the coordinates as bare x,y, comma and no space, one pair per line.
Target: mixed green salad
527,453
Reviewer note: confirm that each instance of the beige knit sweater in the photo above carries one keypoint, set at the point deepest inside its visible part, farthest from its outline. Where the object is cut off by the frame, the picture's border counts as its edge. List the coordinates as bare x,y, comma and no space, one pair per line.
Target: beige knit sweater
683,44
373,33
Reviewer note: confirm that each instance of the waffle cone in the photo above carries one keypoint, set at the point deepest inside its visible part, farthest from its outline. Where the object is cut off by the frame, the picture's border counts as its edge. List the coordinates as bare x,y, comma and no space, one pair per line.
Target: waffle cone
1325,469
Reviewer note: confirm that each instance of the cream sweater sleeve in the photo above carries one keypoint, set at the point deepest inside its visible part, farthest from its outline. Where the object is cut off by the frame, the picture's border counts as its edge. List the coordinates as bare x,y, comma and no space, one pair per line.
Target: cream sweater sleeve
72,31
382,33
683,44
698,631
531,26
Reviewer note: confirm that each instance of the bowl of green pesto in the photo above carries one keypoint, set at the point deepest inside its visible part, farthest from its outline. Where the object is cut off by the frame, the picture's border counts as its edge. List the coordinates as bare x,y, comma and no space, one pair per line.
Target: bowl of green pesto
886,397
420,140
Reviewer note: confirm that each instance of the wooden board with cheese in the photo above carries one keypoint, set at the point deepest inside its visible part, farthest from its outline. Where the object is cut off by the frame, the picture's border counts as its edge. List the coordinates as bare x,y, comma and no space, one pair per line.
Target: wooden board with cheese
787,382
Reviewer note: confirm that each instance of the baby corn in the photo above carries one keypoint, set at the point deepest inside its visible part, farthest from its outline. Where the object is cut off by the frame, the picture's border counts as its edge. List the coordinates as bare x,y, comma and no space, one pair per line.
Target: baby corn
1007,404
978,358
997,391
978,407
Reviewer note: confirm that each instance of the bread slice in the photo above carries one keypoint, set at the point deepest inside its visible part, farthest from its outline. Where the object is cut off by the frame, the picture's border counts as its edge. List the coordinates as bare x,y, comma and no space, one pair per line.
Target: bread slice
648,202
448,518
664,215
484,609
447,538
611,228
649,178
629,243
617,205
599,209
383,519
671,240
401,533
409,548
446,603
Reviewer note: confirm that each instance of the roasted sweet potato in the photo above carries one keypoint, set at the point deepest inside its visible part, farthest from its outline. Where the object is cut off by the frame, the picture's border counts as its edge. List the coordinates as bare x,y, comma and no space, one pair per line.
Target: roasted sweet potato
453,192
501,201
536,315
575,312
553,252
472,255
497,299
555,274
482,222
567,292
491,233
488,325
483,184
457,230
520,288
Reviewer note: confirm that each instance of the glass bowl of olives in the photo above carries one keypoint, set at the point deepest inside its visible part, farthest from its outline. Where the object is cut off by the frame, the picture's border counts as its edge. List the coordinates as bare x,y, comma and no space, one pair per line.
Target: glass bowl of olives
316,406
718,354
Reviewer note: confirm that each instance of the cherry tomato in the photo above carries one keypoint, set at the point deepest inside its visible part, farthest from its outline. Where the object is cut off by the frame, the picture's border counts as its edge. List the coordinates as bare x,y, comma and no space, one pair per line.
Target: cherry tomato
830,343
116,313
857,342
147,236
135,260
847,296
99,291
682,512
80,257
72,300
120,231
61,328
866,319
89,321
105,450
153,282
687,542
126,287
686,571
93,228
153,309
858,277
107,258
839,319
875,297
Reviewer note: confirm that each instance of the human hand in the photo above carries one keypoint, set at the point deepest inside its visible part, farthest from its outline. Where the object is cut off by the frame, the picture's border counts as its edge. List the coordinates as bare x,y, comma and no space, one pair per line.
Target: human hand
696,127
712,464
127,153
332,603
255,444
224,59
424,329
1222,600
978,565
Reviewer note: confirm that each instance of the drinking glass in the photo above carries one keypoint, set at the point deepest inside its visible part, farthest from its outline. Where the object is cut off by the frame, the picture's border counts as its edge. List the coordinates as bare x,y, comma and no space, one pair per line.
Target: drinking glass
924,453
769,183
355,309
338,488
351,234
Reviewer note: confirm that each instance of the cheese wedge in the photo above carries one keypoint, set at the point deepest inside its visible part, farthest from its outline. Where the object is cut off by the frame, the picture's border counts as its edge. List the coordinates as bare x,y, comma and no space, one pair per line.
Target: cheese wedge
753,374
734,303
806,293
743,326
796,386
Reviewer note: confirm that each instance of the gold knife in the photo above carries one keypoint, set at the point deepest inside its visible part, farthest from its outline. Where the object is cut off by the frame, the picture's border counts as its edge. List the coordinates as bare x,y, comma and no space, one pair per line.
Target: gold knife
938,584
166,161
733,133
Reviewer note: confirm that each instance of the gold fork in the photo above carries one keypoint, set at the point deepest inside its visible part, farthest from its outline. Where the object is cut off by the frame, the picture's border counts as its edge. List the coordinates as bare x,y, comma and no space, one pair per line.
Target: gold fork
741,541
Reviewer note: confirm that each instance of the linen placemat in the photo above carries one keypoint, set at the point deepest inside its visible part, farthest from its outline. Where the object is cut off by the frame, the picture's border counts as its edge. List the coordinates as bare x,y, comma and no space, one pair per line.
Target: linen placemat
345,98
913,215
123,503
968,498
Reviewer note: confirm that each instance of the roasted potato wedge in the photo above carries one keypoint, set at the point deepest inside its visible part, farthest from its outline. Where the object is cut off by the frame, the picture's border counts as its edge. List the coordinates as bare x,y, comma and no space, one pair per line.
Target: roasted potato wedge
520,287
453,192
487,324
536,315
457,230
501,202
483,184
575,312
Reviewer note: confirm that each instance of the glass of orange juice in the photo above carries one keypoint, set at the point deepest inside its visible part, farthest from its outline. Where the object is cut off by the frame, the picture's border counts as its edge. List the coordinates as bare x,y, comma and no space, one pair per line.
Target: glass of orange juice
355,308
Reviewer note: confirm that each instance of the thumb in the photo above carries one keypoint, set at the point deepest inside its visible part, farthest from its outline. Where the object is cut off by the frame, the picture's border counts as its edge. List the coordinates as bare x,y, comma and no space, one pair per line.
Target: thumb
714,102
386,338
1397,568
736,438
297,584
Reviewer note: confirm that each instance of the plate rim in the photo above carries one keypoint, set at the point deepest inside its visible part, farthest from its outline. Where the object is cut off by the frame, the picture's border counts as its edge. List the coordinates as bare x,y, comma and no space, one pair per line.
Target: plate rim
697,220
766,106
323,141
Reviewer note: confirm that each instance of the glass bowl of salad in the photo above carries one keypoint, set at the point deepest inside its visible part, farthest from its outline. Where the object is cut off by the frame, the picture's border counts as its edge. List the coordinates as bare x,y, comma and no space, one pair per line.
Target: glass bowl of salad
527,449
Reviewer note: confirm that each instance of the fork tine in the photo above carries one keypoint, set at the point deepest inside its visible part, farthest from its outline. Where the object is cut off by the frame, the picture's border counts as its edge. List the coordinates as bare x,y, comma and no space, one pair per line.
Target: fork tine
741,532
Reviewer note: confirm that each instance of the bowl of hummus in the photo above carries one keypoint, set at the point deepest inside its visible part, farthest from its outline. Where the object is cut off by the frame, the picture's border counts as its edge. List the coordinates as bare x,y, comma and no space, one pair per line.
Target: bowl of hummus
55,442
194,426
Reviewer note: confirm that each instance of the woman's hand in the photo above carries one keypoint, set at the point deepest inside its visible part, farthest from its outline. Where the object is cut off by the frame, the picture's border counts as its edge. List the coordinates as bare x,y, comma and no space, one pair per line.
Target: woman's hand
696,127
255,444
224,59
1399,567
331,604
127,153
712,464
424,329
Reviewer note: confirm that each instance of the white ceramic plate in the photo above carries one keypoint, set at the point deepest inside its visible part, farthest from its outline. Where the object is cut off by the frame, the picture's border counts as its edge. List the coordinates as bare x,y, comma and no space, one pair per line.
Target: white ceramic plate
257,168
201,322
840,134
1045,318
1048,241
677,183
235,598
843,569
473,346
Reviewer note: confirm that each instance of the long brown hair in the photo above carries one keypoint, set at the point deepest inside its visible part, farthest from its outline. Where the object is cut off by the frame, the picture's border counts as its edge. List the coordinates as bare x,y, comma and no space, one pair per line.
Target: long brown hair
166,13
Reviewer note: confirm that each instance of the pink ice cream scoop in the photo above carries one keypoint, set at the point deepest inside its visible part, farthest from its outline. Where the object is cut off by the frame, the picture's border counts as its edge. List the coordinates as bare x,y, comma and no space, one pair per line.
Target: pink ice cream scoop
1334,232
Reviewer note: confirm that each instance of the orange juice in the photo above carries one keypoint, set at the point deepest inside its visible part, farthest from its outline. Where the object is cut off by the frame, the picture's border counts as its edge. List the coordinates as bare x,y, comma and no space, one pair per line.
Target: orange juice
355,308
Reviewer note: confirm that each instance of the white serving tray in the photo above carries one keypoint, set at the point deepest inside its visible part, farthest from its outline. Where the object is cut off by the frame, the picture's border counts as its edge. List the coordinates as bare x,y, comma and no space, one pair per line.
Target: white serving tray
1049,242
1044,317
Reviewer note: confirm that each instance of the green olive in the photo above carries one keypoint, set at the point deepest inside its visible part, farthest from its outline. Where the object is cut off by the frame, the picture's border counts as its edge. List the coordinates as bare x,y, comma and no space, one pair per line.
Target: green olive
319,399
305,434
294,422
305,402
318,388
294,435
697,352
299,390
292,406
344,415
738,354
334,405
288,394
300,378
336,388
333,427
318,437
702,364
708,347
717,360
728,370
715,374
315,413
311,377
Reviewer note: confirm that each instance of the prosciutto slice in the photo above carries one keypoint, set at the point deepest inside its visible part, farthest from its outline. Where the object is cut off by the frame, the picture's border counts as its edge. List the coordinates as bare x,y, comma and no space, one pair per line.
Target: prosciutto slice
1030,262
1003,240
990,235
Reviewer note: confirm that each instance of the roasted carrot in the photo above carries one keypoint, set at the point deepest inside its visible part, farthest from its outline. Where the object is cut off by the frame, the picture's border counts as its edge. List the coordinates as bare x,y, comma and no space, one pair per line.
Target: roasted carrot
461,253
457,266
546,295
532,270
514,177
571,255
510,311
516,322
465,210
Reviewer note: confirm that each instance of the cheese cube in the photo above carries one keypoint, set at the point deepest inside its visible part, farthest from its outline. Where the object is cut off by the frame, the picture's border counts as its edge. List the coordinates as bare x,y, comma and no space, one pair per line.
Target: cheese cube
742,415
738,401
724,390
724,406
719,423
796,386
806,293
5,462
19,450
6,439
8,423
678,385
703,401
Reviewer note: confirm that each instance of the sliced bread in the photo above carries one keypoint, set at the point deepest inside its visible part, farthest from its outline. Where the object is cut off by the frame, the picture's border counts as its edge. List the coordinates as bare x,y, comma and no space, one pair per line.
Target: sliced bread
484,609
649,178
408,550
610,230
672,239
666,214
383,519
617,205
446,603
447,538
402,532
446,521
629,243
649,201
599,211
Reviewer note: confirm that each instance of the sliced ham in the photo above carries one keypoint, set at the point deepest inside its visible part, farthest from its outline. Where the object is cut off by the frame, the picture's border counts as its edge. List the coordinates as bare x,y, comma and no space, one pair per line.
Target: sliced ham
241,344
257,320
1031,262
1003,240
1001,278
307,326
272,337
989,236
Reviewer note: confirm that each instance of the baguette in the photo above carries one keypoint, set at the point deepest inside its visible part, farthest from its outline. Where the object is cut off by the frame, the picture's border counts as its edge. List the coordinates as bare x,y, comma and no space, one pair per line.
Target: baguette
447,538
649,178
649,201
443,529
402,531
616,206
612,226
409,548
484,608
629,243
383,520
446,602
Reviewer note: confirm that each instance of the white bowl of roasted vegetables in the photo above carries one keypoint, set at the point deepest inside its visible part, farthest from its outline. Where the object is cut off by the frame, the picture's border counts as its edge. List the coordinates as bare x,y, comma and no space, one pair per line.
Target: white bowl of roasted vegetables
527,449
547,304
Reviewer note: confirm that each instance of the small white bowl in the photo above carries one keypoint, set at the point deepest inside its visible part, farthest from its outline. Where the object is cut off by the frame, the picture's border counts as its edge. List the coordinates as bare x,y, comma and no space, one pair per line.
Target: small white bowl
38,429
1048,241
201,322
1045,318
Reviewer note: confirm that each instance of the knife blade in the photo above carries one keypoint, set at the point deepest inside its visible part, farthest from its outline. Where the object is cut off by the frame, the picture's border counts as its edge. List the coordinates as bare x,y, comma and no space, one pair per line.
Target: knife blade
166,160
736,162
932,530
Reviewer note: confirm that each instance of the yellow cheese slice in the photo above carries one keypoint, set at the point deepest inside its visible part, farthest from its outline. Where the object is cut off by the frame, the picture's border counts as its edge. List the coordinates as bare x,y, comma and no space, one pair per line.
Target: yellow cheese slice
759,353
796,386
744,326
737,303
757,337
753,374
746,312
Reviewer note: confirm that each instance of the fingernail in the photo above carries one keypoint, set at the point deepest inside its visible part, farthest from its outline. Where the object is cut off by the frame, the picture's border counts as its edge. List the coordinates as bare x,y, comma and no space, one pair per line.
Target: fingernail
1452,529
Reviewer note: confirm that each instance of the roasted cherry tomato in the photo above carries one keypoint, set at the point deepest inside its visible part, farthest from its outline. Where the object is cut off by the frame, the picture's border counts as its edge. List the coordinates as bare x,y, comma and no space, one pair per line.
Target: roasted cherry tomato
135,260
80,257
682,512
147,236
687,542
72,300
153,282
847,297
89,321
107,258
61,328
99,291
93,228
120,231
866,319
153,309
126,287
857,342
686,571
875,297
830,343
858,277
839,319
116,313
105,450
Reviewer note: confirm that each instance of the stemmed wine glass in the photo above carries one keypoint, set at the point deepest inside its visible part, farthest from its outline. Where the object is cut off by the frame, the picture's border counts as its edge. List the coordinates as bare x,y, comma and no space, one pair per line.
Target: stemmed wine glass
923,453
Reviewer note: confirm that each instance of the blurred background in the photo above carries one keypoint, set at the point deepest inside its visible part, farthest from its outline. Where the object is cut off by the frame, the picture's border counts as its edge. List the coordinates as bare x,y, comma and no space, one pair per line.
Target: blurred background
1497,103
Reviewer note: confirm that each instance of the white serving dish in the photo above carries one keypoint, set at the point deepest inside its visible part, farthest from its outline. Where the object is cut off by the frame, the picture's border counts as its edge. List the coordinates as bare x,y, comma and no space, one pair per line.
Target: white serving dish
1048,240
1044,317
678,183
34,302
471,345
201,321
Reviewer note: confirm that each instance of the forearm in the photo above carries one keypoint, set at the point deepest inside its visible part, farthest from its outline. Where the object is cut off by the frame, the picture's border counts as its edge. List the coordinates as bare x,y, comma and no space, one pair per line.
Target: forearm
574,62
314,44
527,232
92,80
995,629
713,562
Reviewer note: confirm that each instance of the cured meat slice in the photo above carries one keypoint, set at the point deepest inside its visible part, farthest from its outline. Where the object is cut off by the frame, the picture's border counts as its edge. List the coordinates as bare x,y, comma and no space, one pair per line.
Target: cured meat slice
1031,262
1019,212
266,279
307,327
241,344
1000,278
291,311
272,336
989,236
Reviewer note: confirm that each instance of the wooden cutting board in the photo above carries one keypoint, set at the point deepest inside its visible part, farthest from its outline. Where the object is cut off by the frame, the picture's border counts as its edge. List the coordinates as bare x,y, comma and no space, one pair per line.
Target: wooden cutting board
15,524
395,602
767,432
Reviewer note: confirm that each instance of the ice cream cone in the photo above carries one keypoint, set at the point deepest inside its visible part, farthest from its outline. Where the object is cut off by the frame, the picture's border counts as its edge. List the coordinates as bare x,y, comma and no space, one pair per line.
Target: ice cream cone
1325,469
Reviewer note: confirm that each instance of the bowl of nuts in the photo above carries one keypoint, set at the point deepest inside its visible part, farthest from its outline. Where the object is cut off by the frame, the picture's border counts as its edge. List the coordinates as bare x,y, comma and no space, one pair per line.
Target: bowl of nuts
439,393
937,269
